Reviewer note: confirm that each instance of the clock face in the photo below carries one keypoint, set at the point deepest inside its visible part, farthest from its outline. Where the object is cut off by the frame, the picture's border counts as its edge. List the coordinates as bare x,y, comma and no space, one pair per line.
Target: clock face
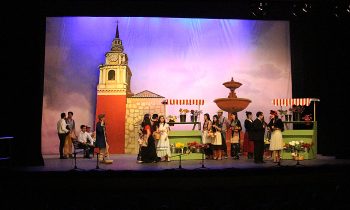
113,58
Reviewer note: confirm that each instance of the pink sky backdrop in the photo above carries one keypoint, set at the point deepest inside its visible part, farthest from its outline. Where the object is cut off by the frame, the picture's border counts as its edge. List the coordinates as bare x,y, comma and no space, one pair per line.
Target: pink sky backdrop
177,58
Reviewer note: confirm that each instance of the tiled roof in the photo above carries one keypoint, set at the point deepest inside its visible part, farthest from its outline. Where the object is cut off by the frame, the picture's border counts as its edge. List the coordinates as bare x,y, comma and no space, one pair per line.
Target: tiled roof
146,94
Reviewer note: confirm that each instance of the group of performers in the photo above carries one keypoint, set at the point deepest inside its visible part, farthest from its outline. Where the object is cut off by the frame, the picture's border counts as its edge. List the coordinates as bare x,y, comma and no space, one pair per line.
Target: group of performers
154,141
215,132
155,144
86,139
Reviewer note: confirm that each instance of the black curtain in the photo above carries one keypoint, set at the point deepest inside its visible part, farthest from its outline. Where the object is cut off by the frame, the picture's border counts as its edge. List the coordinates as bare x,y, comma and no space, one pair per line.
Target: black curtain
23,39
319,48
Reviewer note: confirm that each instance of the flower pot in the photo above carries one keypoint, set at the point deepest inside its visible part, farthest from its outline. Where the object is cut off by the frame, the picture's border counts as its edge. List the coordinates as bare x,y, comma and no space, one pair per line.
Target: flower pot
193,118
296,116
182,118
177,150
171,122
288,117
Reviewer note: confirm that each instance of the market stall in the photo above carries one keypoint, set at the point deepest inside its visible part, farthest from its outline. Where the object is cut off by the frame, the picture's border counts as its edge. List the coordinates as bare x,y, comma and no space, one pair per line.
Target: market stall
182,140
299,143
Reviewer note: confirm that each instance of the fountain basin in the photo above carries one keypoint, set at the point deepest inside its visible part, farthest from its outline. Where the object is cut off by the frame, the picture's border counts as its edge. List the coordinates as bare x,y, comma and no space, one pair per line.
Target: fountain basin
232,84
231,105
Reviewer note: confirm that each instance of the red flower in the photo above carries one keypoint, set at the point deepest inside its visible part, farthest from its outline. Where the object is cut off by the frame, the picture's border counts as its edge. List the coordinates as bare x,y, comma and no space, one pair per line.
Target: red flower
297,109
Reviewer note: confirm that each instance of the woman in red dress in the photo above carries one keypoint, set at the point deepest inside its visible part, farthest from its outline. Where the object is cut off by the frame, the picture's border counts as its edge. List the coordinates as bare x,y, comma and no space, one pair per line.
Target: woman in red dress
148,152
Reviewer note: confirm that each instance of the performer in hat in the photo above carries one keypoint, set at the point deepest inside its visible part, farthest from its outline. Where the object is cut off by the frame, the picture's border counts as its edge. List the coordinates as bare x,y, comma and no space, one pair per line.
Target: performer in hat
101,139
276,143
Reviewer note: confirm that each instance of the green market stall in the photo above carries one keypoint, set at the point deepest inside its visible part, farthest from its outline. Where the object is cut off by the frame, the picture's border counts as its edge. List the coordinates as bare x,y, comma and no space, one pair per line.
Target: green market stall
299,143
180,140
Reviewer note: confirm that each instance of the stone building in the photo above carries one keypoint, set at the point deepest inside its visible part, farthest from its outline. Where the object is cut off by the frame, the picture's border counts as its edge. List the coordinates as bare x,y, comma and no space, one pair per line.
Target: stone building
136,107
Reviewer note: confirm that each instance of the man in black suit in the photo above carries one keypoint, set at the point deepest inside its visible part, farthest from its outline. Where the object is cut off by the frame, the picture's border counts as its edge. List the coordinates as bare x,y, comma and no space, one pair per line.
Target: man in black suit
258,131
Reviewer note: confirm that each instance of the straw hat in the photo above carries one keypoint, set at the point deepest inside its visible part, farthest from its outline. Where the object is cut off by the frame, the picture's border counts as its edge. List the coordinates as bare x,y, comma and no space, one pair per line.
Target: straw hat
220,111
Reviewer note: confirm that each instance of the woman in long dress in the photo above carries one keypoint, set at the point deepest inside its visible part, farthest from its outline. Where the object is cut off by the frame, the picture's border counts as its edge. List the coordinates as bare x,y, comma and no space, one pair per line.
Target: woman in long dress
235,127
163,145
147,152
101,140
217,140
206,136
276,143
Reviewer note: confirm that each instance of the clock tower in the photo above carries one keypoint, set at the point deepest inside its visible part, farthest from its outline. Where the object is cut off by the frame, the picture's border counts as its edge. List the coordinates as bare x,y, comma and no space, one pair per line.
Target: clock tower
112,90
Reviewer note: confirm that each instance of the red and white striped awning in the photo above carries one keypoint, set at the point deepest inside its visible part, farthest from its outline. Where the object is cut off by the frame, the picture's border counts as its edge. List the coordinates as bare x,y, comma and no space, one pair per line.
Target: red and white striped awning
185,101
292,101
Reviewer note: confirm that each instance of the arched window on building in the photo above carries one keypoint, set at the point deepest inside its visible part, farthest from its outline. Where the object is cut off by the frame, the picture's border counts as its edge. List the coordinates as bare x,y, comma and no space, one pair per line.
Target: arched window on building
111,75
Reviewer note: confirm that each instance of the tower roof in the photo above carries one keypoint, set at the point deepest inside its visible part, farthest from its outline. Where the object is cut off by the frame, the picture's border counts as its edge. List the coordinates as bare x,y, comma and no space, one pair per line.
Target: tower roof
146,94
117,32
117,44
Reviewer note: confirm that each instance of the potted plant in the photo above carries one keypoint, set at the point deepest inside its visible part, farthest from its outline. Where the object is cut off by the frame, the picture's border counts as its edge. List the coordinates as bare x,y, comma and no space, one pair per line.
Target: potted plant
284,113
183,113
179,146
172,148
297,147
307,118
195,114
193,146
296,110
171,120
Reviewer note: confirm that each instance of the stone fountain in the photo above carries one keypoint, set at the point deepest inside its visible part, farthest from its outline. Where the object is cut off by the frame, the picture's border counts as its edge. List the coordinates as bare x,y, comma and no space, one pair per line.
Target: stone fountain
232,103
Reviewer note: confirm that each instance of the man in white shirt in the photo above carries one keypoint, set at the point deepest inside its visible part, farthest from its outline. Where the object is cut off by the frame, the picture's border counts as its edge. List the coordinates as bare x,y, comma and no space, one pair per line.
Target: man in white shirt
67,150
93,136
62,133
85,141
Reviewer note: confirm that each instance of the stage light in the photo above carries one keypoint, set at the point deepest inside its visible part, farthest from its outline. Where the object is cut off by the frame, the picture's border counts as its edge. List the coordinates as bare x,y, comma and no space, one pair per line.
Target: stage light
300,9
306,7
336,11
259,9
295,10
341,11
261,6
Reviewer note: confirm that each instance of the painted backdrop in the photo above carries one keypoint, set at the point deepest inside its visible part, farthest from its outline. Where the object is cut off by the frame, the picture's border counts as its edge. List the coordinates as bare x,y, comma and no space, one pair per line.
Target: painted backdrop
173,57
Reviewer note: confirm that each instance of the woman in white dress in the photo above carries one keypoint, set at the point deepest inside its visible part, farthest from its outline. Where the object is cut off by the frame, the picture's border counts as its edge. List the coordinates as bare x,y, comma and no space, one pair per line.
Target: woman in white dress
163,145
276,143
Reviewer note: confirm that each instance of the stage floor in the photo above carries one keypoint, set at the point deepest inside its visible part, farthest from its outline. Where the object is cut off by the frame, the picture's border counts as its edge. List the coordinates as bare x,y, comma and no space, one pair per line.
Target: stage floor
322,183
126,162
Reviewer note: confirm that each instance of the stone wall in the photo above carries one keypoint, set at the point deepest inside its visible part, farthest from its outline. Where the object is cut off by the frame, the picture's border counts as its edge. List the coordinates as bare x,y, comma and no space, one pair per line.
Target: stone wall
136,108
